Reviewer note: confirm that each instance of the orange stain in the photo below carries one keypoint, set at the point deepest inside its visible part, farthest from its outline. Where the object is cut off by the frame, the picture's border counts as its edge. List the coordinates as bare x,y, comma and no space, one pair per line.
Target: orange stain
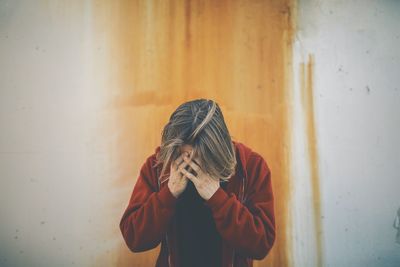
163,53
307,94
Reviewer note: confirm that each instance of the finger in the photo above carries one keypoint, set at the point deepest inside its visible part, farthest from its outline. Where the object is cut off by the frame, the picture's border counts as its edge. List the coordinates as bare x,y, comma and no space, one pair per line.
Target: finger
182,166
179,160
189,169
181,175
190,176
193,165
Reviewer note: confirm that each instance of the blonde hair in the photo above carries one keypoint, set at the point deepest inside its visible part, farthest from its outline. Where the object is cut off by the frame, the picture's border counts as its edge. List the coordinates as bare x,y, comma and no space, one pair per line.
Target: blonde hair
199,123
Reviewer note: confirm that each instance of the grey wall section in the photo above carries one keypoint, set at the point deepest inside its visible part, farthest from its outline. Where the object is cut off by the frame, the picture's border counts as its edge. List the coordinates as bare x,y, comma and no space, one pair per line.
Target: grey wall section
52,163
357,97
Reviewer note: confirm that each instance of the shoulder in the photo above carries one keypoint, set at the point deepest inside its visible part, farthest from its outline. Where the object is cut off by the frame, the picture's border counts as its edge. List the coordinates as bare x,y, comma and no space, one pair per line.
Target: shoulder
257,171
258,177
148,170
256,160
249,157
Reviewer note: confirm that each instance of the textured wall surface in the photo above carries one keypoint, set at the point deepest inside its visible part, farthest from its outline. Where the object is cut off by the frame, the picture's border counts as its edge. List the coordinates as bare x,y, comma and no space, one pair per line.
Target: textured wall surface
165,53
52,168
86,87
348,53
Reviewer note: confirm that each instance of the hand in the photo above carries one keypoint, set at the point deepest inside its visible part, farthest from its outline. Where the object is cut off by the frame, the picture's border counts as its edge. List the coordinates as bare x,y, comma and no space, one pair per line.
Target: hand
205,185
177,182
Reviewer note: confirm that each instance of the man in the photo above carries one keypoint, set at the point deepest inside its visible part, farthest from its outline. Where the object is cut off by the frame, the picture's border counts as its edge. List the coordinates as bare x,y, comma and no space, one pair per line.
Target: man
217,208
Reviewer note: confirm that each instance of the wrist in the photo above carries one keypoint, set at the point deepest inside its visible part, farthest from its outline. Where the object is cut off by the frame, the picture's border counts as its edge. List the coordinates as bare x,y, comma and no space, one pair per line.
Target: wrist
175,194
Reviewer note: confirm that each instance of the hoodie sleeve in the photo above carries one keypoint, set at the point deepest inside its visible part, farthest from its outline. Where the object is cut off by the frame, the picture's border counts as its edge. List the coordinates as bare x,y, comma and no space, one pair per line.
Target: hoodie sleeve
248,227
145,220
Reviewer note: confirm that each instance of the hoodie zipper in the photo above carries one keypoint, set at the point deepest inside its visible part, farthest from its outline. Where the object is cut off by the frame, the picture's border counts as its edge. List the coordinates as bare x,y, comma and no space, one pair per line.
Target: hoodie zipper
241,199
166,234
169,254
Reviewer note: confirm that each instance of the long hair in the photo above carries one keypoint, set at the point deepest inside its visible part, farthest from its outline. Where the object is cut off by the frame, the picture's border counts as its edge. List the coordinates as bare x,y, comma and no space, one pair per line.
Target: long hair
199,123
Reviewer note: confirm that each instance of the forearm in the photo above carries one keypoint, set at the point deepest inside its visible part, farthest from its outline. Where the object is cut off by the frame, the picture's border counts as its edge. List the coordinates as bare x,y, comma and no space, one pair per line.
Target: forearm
143,225
250,232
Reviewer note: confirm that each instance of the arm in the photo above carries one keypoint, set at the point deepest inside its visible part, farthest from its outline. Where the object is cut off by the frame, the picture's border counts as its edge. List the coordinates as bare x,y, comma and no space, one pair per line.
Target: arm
249,227
146,218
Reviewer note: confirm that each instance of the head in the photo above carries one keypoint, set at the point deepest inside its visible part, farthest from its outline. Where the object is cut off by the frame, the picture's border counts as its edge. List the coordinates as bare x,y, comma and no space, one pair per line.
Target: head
198,128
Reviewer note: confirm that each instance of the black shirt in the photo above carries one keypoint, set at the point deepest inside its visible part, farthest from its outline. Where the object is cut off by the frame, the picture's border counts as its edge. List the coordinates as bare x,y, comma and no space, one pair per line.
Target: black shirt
199,242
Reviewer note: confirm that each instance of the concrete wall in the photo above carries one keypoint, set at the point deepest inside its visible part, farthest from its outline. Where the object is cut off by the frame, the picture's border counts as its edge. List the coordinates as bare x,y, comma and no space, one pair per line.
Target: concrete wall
72,98
53,166
354,46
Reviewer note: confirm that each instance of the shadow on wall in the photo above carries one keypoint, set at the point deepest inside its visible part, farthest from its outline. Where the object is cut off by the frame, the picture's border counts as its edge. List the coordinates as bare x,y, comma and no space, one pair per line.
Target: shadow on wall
396,225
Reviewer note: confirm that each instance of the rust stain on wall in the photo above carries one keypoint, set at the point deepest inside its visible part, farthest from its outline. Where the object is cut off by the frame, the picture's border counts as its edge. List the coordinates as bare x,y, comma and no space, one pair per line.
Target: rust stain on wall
307,95
162,53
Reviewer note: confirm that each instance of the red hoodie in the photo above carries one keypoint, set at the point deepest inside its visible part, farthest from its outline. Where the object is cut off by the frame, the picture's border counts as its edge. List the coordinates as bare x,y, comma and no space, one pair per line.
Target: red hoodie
243,212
